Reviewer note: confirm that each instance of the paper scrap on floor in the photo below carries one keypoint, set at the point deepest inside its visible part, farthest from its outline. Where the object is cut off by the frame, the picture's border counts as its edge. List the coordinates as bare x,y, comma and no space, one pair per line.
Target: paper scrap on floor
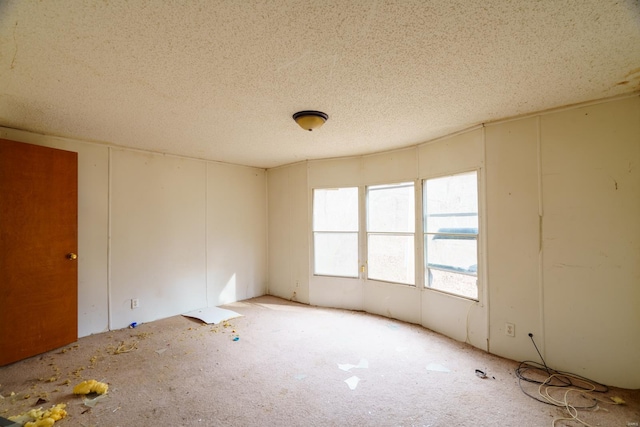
363,364
212,315
352,382
437,367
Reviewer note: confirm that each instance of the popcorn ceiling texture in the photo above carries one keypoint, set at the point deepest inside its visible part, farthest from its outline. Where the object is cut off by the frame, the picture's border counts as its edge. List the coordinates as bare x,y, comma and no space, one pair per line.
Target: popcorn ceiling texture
220,80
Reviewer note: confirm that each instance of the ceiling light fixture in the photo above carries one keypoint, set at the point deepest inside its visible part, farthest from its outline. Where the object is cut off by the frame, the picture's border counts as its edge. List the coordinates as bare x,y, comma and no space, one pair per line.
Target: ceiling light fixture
310,120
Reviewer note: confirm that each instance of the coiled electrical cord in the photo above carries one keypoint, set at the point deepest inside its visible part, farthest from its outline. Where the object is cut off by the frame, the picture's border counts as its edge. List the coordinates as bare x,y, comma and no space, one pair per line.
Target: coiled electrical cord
532,372
549,379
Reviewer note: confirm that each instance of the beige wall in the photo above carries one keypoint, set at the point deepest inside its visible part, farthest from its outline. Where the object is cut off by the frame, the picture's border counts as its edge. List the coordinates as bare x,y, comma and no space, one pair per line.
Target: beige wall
513,237
591,239
288,233
178,234
157,236
236,222
564,238
559,246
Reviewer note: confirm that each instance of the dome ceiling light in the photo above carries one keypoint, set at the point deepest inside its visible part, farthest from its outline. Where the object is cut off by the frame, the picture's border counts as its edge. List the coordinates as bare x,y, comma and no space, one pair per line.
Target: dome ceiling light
310,120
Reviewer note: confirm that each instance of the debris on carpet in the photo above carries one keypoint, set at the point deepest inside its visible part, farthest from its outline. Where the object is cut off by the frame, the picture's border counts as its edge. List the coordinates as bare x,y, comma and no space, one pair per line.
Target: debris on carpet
91,386
437,367
126,348
40,418
363,364
212,315
352,382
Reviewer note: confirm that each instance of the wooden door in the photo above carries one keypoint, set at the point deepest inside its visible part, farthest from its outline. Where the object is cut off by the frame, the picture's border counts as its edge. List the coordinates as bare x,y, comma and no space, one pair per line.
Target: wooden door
38,243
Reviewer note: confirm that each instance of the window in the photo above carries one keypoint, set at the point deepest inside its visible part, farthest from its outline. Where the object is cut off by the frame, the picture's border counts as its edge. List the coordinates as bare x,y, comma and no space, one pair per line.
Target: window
451,234
390,233
335,232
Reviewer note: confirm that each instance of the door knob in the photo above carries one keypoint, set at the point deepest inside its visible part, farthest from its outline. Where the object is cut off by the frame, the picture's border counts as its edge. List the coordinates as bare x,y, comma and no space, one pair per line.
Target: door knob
71,256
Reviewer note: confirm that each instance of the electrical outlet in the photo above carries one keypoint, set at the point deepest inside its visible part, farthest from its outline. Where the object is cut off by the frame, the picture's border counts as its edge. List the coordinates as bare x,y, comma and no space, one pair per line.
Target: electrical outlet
510,329
135,303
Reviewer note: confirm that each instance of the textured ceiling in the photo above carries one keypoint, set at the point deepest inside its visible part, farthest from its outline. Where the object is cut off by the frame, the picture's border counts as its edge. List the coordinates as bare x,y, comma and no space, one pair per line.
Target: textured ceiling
220,80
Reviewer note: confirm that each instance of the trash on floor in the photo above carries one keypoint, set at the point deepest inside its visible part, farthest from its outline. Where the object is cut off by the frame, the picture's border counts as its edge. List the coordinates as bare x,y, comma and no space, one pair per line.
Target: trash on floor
92,402
437,367
40,418
212,315
352,382
7,423
363,364
142,335
91,386
481,374
126,348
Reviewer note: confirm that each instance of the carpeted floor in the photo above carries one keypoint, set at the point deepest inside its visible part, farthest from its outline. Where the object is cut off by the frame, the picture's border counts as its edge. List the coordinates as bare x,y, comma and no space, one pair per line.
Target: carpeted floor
292,365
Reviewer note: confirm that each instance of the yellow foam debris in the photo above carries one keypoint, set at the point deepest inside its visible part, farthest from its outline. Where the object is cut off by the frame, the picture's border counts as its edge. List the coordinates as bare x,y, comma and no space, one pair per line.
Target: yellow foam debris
45,422
618,400
40,418
126,348
143,335
90,386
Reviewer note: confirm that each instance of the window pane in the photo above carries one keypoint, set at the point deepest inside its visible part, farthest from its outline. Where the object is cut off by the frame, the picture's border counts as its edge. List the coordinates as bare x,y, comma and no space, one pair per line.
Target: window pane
391,258
335,209
335,225
458,255
451,233
391,208
336,254
451,204
458,284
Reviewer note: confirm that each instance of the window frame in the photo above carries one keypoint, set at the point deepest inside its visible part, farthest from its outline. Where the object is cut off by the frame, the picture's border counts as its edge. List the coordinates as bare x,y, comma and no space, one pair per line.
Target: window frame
367,233
314,232
448,235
